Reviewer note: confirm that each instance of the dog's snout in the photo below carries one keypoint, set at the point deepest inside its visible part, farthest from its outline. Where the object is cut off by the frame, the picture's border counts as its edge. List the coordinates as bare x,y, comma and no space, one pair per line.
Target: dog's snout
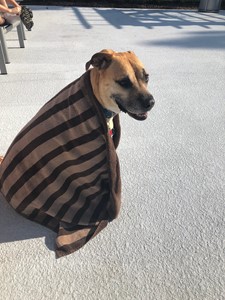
149,102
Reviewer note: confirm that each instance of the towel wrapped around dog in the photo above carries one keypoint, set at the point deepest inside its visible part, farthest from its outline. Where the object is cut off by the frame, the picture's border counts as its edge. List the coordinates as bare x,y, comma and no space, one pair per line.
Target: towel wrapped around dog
62,169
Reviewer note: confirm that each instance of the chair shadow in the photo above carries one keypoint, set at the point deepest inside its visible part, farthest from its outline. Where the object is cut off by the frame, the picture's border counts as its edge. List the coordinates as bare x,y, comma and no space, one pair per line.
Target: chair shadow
16,228
149,18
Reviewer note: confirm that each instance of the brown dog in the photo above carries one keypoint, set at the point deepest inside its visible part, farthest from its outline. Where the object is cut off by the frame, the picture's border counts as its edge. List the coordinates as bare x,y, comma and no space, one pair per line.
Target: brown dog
62,169
119,82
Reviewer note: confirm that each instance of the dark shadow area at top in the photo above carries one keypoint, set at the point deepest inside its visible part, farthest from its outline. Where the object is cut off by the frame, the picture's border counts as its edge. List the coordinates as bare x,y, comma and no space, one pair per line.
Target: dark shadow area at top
148,18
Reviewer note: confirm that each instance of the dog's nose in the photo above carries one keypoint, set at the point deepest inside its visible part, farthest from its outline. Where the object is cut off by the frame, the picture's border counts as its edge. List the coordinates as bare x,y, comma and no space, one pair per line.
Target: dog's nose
149,102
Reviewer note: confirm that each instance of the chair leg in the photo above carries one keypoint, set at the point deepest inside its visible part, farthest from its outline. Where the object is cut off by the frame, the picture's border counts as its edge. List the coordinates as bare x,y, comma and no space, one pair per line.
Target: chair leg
4,47
24,34
2,61
20,35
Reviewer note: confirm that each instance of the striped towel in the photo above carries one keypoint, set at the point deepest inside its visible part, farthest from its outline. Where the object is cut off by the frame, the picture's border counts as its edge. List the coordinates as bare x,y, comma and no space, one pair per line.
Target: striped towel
62,169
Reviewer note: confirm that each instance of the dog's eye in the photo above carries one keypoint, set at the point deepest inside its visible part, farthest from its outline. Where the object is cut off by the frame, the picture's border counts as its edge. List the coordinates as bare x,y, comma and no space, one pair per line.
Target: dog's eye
146,78
125,83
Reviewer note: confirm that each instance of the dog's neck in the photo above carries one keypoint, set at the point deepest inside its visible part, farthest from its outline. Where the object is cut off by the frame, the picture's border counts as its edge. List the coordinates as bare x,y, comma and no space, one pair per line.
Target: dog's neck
109,115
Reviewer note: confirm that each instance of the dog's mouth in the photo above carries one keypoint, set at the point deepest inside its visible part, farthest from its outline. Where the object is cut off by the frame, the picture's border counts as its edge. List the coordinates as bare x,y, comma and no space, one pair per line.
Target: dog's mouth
140,116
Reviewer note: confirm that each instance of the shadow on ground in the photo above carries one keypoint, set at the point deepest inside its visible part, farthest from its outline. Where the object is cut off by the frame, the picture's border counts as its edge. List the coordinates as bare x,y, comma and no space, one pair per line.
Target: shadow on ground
16,228
211,40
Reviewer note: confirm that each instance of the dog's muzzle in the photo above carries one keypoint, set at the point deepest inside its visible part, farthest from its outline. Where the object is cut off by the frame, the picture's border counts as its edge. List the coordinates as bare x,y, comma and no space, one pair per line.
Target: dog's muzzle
147,104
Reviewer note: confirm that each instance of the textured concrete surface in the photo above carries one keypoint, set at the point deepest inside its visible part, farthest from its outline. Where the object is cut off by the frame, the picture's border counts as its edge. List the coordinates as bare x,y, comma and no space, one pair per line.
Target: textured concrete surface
168,242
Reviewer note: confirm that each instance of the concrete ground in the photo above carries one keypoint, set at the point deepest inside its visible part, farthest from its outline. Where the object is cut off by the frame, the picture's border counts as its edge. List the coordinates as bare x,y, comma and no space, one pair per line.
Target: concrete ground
168,242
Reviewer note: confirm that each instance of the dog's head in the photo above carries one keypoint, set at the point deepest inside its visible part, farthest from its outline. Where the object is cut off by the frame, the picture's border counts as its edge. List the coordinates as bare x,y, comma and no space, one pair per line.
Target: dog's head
120,83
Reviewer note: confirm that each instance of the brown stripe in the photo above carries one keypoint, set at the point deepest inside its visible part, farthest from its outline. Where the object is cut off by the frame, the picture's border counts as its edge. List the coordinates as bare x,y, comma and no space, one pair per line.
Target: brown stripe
48,114
70,248
22,206
30,172
75,198
44,137
67,190
83,209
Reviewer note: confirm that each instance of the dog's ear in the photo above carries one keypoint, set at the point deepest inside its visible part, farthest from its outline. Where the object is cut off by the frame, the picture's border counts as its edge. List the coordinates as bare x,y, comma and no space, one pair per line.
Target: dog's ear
100,60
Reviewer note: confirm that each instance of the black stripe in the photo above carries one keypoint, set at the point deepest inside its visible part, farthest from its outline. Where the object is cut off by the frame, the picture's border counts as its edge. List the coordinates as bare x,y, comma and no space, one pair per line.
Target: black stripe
45,137
46,115
47,220
62,189
34,214
47,181
91,233
51,155
86,205
101,207
37,217
63,210
68,230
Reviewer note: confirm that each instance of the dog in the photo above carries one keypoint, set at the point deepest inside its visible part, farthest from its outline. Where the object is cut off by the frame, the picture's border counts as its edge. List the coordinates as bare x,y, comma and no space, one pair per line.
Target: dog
62,169
119,82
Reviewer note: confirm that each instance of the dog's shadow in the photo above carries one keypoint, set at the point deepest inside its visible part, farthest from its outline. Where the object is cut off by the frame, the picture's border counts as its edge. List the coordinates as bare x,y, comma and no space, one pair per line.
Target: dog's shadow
16,228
